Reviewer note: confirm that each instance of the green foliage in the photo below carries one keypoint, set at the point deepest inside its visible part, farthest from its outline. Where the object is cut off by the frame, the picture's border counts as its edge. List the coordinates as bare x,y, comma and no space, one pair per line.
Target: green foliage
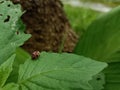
80,18
57,72
51,71
98,81
11,86
102,42
5,70
21,57
9,39
102,39
112,76
111,3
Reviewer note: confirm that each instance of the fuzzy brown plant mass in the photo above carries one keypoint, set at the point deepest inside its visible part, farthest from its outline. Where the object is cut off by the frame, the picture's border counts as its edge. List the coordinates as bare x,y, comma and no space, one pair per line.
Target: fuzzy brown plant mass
49,26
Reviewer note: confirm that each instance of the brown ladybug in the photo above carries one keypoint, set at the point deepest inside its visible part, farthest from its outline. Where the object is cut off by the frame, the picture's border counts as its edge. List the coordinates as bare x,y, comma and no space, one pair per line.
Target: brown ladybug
35,55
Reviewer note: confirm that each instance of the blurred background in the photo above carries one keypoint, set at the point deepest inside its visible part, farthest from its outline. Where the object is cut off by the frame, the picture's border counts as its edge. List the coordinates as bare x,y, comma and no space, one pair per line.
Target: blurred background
82,12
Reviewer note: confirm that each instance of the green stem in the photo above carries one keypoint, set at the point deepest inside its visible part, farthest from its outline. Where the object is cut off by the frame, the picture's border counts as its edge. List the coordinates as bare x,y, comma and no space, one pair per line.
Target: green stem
62,43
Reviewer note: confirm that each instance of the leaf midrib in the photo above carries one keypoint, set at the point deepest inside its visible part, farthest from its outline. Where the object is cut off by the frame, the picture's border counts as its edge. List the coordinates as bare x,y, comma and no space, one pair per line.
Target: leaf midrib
43,74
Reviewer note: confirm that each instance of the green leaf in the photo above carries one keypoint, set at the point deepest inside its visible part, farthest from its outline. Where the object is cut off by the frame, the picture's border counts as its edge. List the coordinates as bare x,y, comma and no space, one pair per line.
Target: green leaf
11,86
20,26
58,72
112,76
21,57
102,38
9,14
5,70
9,38
98,81
102,42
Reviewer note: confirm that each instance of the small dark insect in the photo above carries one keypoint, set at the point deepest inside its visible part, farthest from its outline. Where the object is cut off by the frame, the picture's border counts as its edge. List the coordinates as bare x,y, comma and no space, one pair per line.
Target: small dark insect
35,55
17,32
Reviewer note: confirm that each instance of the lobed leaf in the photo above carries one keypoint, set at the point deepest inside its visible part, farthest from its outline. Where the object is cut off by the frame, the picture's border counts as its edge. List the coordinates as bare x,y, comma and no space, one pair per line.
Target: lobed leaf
9,36
58,72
